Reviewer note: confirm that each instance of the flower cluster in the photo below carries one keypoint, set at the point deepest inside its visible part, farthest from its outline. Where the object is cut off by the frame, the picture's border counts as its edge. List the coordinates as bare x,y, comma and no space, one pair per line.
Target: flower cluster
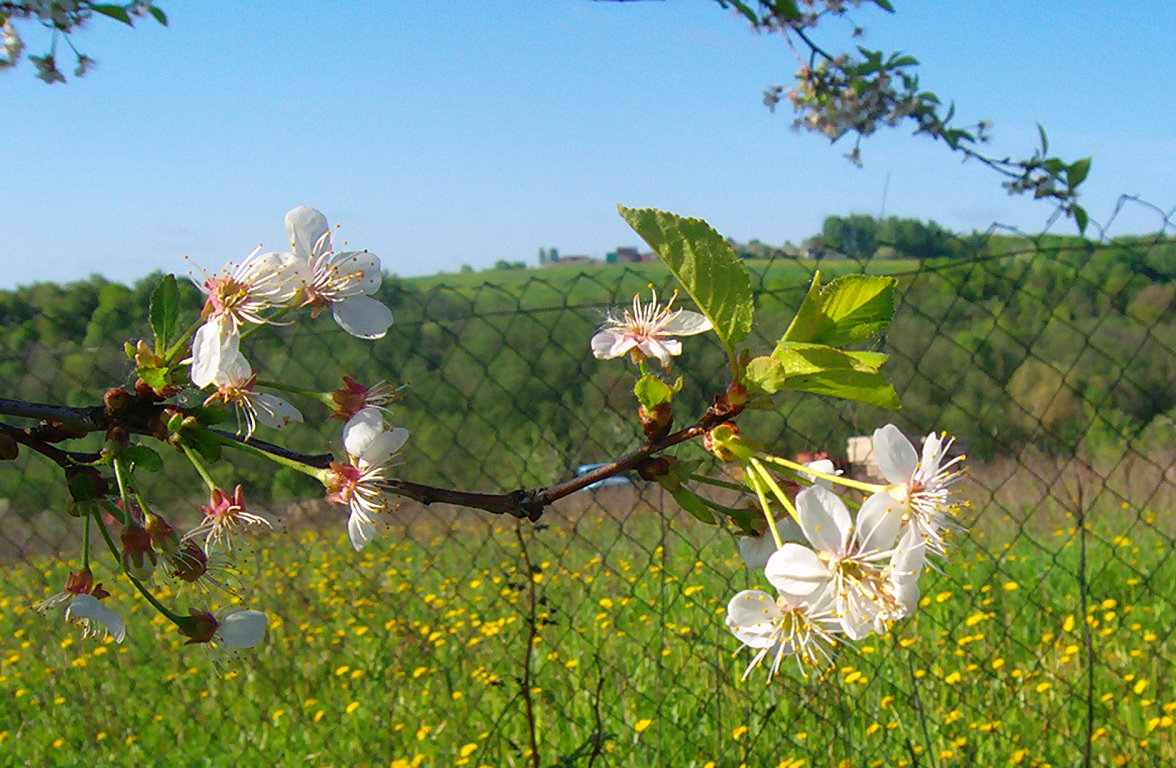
850,574
263,288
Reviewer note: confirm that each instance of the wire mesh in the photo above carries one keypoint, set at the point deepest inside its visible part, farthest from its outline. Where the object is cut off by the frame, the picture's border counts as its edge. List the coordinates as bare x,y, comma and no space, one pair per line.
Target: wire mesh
596,636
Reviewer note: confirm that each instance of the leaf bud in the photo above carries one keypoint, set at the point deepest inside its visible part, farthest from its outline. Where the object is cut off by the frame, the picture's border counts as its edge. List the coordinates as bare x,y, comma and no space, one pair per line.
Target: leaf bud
117,401
727,444
656,422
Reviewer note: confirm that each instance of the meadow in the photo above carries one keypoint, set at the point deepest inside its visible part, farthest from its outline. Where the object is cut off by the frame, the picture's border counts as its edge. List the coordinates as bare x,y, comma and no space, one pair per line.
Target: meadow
597,638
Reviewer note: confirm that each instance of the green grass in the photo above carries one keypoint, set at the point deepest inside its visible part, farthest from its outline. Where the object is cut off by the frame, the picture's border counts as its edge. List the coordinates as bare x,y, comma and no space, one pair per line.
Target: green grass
412,653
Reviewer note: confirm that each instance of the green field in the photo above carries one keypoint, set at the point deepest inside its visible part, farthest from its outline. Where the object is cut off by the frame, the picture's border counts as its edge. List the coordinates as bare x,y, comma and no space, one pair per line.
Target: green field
417,652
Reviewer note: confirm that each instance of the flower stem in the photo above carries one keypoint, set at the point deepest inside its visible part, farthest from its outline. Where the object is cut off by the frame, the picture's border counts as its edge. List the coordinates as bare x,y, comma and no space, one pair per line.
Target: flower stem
316,473
839,479
718,483
779,494
753,478
123,477
174,618
198,463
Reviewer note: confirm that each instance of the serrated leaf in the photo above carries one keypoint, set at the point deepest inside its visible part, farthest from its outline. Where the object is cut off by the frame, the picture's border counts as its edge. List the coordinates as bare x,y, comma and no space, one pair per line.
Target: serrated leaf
855,307
801,359
807,321
652,391
863,386
164,311
143,458
706,267
116,12
849,309
822,370
692,503
156,378
764,376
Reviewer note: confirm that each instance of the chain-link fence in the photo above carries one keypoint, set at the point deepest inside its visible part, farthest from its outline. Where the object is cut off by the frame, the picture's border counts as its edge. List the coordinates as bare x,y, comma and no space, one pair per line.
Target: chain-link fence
596,636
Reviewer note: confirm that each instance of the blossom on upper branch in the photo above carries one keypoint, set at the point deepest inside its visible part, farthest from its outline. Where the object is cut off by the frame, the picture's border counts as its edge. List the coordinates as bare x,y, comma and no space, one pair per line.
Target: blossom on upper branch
342,281
371,451
646,330
238,295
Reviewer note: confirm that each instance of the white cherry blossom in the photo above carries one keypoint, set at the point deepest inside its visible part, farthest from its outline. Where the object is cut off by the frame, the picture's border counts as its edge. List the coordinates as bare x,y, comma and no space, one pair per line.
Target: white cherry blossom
921,486
343,281
372,449
646,330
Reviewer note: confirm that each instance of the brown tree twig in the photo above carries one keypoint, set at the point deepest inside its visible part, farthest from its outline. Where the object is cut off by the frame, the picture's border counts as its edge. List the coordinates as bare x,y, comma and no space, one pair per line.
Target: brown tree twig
519,503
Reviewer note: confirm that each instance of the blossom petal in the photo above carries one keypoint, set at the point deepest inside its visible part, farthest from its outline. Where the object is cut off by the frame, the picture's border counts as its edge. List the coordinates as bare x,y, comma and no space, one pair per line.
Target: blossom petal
824,466
607,345
824,519
273,411
755,550
364,263
751,615
362,316
304,228
214,344
384,446
894,453
878,522
87,607
361,430
796,571
242,629
687,323
360,530
662,349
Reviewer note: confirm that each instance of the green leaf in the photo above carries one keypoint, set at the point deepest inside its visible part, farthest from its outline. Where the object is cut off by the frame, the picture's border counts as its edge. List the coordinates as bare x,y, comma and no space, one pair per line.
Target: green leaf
159,15
652,391
1044,140
705,265
807,322
156,378
165,310
1077,171
692,503
1081,217
764,376
849,309
205,443
116,12
863,386
884,5
143,458
855,307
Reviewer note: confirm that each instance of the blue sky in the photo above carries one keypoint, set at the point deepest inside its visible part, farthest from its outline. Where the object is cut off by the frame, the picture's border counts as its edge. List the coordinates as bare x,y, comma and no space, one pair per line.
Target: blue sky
442,134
